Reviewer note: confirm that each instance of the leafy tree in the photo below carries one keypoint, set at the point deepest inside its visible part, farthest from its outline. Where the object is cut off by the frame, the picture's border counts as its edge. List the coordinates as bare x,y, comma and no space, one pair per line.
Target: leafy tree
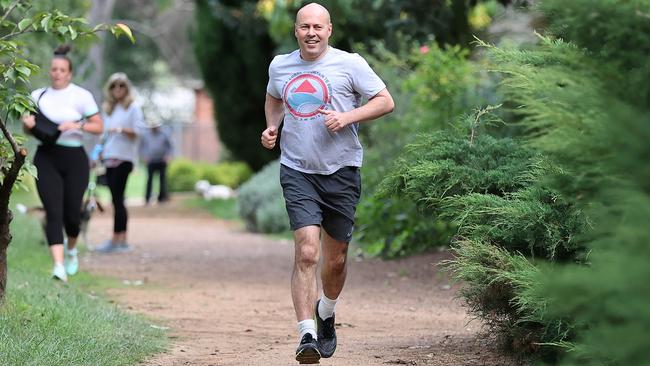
234,50
19,18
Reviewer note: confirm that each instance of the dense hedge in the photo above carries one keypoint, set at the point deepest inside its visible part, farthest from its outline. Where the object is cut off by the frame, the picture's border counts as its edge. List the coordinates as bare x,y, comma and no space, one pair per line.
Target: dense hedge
183,174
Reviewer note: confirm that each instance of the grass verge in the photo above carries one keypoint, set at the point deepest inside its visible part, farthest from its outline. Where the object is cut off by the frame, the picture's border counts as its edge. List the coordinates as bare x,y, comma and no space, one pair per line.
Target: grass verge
43,322
227,209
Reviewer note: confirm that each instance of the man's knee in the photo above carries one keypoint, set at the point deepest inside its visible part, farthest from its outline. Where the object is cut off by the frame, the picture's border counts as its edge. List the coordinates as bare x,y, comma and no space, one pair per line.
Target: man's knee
337,262
307,250
307,255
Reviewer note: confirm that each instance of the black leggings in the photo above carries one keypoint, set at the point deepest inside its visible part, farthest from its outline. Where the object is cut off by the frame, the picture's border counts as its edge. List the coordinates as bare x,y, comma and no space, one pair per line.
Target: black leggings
116,179
62,180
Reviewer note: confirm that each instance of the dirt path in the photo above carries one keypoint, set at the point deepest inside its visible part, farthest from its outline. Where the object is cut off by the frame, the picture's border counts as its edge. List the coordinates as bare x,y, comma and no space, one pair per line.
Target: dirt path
225,295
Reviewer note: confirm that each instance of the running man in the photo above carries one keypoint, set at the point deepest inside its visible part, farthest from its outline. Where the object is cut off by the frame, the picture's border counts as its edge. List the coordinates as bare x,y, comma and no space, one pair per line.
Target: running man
317,91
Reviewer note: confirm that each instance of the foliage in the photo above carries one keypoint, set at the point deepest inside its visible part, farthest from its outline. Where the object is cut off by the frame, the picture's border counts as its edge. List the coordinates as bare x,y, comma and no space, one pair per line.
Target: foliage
137,60
391,21
616,32
431,86
604,301
261,204
496,193
234,51
392,227
183,174
231,174
590,122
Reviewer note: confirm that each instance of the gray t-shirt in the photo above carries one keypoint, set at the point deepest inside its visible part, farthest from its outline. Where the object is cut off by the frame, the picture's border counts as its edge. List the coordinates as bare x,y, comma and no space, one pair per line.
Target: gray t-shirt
338,81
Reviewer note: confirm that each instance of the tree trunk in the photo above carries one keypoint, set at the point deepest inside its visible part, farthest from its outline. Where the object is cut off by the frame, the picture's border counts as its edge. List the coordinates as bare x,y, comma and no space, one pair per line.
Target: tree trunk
5,239
10,176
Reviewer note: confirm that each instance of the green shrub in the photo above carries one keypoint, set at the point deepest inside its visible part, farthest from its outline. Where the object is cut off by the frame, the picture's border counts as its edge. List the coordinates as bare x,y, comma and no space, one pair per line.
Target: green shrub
496,193
182,175
392,227
261,204
585,108
272,218
430,90
231,174
431,87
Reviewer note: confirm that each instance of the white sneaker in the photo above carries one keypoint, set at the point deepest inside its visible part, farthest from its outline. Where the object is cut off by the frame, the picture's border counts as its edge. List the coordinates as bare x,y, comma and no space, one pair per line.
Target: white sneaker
58,273
71,262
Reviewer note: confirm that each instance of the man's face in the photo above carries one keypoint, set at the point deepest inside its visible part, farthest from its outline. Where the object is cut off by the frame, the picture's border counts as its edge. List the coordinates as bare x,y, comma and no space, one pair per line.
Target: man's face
313,30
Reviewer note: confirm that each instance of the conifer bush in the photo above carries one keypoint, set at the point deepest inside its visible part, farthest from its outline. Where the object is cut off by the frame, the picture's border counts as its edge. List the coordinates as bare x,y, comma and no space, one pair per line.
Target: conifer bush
489,189
430,84
261,204
555,260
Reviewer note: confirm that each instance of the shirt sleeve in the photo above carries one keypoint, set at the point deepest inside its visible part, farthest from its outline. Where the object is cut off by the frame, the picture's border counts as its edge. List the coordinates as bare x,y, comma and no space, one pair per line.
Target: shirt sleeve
271,89
365,81
87,104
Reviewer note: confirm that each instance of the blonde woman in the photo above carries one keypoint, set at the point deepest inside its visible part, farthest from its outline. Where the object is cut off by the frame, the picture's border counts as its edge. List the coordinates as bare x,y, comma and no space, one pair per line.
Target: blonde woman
122,119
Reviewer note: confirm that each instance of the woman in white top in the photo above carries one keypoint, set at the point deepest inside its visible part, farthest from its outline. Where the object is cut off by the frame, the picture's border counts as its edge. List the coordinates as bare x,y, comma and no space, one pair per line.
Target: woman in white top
63,167
123,119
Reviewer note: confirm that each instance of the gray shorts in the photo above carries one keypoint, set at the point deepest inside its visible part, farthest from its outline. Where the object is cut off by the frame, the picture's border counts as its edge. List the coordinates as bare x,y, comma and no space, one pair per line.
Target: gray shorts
329,201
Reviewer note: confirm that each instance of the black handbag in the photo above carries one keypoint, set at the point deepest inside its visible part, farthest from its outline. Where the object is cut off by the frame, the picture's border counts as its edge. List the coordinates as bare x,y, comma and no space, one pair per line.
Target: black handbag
44,129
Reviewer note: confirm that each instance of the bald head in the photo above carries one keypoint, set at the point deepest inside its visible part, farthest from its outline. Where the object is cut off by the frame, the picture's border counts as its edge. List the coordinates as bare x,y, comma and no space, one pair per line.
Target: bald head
313,10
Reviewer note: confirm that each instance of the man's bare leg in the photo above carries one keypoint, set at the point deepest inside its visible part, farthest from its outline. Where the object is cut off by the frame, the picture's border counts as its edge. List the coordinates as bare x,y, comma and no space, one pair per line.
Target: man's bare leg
334,269
304,288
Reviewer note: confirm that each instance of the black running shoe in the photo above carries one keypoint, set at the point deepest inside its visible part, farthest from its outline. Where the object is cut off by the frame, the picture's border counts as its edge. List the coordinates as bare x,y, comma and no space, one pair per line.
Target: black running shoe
326,334
307,351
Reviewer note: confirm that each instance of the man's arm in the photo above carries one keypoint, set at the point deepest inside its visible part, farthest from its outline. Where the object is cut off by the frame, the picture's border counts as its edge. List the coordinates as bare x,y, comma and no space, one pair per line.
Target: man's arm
273,111
377,106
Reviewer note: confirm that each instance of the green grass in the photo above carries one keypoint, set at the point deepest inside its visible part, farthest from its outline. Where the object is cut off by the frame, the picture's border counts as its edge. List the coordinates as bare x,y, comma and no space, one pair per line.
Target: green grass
227,209
44,322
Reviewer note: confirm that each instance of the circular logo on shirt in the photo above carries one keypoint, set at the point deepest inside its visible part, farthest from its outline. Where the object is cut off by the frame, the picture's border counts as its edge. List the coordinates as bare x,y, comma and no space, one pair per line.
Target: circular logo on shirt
305,94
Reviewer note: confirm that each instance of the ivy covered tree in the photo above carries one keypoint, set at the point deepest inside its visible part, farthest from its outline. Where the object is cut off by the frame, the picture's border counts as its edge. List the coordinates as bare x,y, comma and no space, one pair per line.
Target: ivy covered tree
19,18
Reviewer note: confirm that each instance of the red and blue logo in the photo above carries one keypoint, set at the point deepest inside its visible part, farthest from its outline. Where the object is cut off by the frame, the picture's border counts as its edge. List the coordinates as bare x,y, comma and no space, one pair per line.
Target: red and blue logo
305,94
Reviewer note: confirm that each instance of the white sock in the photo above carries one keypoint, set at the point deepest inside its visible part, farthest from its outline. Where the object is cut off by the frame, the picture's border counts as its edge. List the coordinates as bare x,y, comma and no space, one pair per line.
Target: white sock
72,252
307,326
326,307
